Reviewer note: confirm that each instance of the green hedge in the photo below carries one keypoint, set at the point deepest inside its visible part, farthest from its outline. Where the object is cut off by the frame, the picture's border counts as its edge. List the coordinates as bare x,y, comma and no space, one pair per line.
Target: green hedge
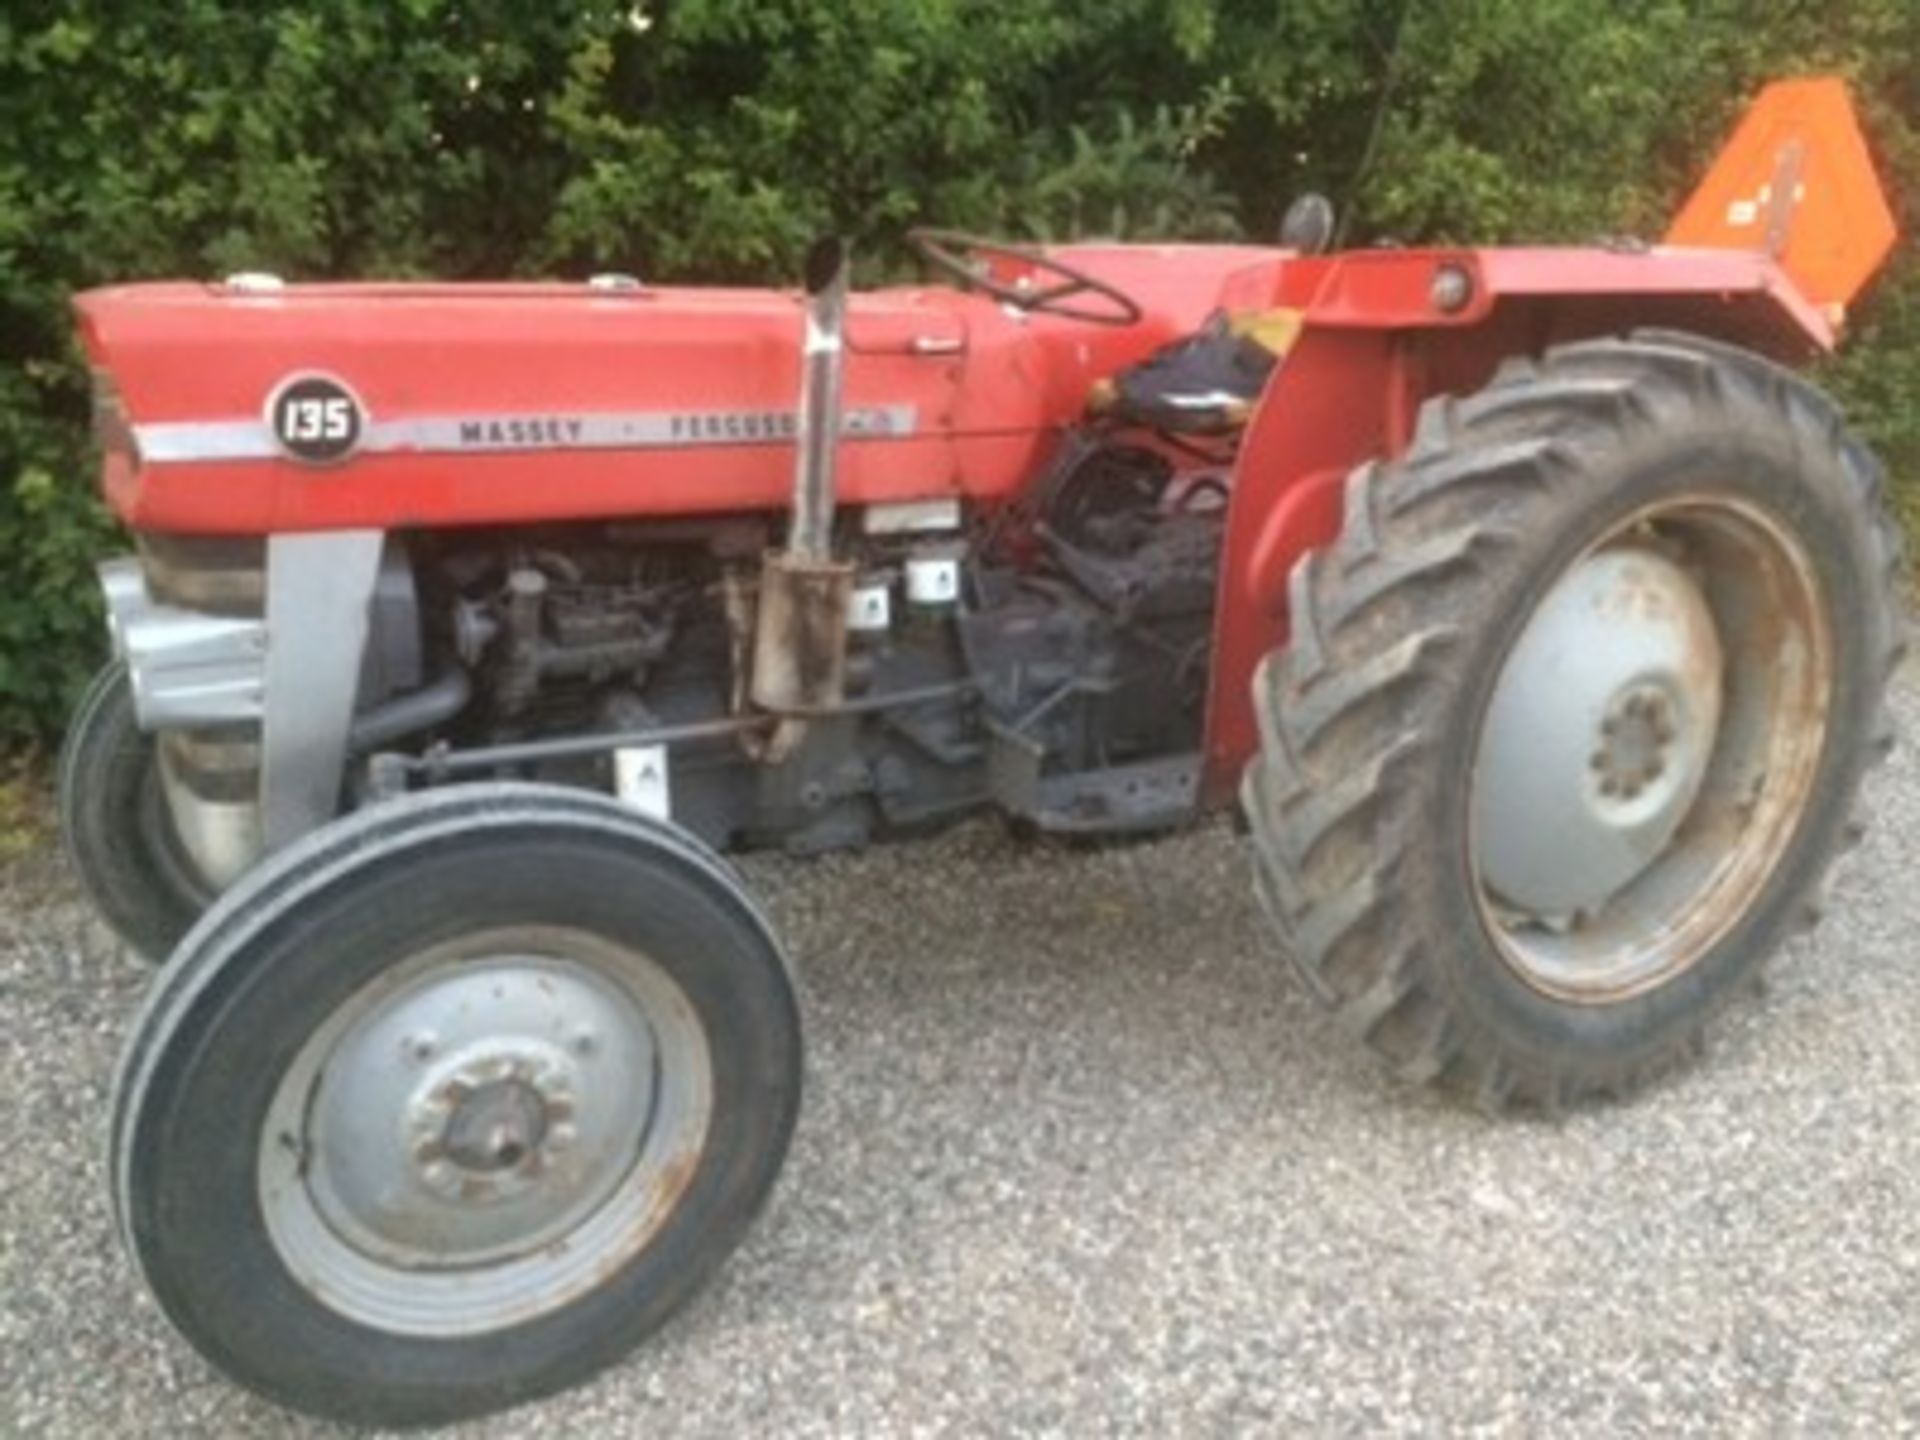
709,139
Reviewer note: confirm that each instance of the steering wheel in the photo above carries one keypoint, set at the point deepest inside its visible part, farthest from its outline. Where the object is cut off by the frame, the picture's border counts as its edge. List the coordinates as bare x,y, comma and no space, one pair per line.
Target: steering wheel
964,256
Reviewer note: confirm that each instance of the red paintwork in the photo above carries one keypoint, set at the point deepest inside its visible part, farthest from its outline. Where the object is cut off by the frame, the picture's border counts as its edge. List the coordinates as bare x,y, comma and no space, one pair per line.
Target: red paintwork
1373,345
985,415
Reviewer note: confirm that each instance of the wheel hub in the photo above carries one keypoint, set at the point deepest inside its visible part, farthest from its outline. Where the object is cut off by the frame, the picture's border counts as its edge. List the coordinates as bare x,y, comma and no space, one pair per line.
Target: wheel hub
1599,734
496,1128
481,1113
1636,742
493,1126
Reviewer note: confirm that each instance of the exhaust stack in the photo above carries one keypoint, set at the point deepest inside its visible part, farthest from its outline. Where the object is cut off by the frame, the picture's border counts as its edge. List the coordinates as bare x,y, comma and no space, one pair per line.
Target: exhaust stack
822,359
800,635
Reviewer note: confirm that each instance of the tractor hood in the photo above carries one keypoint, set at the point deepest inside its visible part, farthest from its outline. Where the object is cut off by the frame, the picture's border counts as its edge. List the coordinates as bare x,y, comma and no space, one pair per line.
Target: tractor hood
463,389
253,406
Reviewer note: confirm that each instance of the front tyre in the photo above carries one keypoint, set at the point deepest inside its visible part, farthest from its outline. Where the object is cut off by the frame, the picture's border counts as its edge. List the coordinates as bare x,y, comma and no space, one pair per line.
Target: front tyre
1575,714
453,1102
113,818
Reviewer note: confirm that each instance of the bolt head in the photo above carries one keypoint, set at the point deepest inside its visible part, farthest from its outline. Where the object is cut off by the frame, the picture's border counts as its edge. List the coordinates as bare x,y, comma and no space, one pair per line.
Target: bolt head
1452,289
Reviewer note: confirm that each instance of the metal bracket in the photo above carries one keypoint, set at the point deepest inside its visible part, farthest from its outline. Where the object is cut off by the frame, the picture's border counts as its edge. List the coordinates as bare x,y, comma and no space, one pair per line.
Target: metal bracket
1146,795
186,669
1785,196
318,590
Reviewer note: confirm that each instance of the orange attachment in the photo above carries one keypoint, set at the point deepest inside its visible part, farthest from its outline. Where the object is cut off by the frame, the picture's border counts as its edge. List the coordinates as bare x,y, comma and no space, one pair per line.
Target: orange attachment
1797,182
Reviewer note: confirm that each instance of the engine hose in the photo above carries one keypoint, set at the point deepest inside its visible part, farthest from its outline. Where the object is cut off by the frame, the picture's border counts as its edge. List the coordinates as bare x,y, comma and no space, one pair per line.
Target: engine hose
439,700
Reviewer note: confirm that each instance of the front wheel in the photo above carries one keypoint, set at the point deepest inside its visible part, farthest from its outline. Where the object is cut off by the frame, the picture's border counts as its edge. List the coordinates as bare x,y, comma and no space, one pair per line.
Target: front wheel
1575,713
114,820
454,1101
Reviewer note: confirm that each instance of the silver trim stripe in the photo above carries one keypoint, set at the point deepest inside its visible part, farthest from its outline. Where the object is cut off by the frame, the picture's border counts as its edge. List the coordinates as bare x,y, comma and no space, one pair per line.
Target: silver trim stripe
175,442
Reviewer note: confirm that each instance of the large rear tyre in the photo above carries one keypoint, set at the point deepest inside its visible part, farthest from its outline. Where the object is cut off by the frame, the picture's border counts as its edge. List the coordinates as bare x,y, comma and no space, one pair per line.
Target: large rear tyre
113,818
1575,714
453,1102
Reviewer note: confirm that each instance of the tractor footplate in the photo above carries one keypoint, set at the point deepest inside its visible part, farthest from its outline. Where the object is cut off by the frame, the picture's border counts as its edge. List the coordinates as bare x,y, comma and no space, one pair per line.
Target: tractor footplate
1146,795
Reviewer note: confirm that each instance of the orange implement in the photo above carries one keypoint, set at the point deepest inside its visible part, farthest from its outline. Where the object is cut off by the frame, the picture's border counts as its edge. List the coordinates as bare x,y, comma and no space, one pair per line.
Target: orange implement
1798,183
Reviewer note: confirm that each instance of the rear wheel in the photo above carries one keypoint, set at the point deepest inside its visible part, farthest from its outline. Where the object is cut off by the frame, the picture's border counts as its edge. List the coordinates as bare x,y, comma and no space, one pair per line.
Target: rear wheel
1575,714
454,1101
113,818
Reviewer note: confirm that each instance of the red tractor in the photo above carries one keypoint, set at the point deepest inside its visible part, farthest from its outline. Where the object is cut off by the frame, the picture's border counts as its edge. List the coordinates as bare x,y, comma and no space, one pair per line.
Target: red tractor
1538,615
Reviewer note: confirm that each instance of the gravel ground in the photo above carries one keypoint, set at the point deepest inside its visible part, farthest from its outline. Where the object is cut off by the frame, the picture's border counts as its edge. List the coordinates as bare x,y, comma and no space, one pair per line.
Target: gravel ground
1079,1157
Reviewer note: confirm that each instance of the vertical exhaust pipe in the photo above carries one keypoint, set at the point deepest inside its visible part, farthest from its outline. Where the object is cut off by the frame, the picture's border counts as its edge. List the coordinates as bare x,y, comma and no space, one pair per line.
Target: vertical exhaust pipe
823,357
800,633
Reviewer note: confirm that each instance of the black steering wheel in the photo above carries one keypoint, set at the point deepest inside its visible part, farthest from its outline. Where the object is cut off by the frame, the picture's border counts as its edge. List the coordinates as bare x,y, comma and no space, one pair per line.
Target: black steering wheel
964,256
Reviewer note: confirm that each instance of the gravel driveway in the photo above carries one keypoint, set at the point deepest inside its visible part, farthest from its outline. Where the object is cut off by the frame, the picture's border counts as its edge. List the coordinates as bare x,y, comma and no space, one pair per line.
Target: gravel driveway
1078,1157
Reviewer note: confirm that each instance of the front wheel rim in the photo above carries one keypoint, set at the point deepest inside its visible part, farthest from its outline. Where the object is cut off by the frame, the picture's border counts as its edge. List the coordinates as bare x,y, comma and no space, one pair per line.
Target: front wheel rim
1700,746
486,1132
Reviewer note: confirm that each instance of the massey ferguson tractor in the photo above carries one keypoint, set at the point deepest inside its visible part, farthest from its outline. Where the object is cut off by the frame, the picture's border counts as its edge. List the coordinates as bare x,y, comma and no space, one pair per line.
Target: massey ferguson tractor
1534,610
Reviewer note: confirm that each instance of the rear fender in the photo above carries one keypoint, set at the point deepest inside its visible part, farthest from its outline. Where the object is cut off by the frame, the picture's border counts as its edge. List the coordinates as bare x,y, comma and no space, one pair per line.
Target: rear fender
1373,347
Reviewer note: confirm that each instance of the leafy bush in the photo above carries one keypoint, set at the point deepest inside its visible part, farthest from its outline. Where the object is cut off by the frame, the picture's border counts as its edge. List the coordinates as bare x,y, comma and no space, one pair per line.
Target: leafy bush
709,139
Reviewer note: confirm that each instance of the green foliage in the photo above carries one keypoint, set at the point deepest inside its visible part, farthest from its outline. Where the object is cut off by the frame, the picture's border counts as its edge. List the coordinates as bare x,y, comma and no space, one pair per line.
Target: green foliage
709,139
26,810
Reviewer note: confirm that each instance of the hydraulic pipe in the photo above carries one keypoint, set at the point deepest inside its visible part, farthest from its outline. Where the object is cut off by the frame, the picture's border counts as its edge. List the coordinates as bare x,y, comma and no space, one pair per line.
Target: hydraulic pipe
422,709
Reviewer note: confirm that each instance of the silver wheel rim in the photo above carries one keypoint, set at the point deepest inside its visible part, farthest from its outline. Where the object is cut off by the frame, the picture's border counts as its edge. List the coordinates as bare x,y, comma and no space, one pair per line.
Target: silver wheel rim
1649,748
486,1132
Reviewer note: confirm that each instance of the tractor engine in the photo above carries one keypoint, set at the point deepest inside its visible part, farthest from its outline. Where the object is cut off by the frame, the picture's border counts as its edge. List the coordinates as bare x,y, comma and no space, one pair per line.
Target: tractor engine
1041,665
1051,658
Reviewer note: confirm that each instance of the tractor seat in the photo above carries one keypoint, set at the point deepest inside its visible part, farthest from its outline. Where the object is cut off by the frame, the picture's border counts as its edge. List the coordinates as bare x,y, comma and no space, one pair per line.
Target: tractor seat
1205,384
